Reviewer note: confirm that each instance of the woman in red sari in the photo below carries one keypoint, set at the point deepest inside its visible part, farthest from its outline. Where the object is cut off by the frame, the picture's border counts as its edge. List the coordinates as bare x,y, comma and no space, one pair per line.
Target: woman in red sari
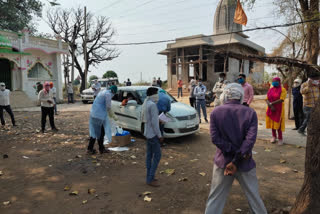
275,116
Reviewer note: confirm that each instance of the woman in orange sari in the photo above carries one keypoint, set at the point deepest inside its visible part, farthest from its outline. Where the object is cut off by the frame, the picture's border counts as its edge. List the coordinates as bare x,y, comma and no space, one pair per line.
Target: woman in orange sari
275,116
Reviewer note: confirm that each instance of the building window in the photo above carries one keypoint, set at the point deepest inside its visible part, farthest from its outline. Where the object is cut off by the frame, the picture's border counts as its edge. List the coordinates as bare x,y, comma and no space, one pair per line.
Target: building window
39,72
251,65
204,72
219,64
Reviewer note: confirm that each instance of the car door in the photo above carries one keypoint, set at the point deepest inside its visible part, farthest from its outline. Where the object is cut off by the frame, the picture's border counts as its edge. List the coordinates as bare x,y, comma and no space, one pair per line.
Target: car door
130,113
115,106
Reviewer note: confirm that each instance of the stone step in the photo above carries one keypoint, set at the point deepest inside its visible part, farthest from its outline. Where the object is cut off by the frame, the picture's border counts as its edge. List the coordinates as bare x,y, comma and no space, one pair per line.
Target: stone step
19,99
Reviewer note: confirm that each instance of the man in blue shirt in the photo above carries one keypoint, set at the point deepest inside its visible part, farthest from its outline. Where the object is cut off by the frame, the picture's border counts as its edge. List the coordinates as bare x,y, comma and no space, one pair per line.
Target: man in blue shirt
200,93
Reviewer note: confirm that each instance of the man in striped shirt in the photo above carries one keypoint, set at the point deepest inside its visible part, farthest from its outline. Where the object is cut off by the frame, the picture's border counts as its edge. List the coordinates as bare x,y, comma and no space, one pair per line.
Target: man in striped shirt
310,91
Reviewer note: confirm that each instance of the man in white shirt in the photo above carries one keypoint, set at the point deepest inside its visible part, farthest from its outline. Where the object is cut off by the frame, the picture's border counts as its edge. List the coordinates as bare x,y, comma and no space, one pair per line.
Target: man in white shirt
70,92
218,88
96,87
5,104
54,94
47,107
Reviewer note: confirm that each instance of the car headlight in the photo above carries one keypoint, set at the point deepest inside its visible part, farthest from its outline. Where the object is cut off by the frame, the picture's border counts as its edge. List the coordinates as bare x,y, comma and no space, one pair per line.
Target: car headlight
172,118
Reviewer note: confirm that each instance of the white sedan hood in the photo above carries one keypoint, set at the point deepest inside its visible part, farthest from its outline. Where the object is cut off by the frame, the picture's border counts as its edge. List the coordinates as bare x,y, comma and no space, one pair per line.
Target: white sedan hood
180,109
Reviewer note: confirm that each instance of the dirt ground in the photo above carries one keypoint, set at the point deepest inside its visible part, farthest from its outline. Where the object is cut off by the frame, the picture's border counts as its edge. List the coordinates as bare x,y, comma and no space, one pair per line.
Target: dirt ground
39,167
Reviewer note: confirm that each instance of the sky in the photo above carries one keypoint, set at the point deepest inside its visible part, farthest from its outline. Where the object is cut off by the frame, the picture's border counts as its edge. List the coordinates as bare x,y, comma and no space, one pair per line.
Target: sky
150,20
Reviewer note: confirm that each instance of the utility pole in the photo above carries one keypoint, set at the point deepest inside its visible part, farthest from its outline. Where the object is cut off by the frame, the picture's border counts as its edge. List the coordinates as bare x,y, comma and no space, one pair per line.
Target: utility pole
85,48
73,46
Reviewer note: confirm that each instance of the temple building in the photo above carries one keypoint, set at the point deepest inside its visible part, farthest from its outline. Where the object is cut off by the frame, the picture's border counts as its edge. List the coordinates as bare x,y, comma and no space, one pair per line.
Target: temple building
197,57
26,60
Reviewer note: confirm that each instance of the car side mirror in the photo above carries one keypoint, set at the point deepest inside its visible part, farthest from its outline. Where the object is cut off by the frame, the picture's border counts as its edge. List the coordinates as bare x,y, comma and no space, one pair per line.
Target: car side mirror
132,103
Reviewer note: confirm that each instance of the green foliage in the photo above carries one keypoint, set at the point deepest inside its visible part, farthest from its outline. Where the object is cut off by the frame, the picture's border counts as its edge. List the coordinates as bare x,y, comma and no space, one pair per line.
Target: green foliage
110,74
17,14
93,77
76,82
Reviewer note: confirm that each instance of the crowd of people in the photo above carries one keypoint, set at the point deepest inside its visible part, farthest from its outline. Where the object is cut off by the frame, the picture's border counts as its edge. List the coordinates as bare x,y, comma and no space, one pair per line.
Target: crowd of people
234,141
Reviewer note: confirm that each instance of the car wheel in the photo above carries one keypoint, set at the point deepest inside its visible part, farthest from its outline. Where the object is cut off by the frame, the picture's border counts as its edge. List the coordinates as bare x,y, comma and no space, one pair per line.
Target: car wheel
85,101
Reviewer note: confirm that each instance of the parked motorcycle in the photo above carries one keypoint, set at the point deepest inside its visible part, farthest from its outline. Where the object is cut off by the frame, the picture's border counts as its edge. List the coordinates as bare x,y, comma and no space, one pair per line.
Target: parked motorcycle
209,98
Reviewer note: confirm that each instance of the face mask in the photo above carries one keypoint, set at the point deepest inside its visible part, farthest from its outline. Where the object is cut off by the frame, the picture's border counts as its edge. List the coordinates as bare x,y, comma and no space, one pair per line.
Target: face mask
3,88
220,79
240,80
275,84
200,83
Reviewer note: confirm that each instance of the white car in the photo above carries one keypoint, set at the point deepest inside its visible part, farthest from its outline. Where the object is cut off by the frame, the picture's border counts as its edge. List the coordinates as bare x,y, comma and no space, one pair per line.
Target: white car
87,95
184,118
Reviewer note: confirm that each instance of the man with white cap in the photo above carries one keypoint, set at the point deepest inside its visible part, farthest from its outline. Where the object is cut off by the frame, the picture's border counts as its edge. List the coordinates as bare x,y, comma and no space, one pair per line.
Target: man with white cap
233,129
297,103
5,104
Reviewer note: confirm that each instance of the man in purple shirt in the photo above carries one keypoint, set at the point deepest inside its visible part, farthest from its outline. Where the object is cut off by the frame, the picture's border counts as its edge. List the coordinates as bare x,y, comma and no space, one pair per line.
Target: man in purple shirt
233,129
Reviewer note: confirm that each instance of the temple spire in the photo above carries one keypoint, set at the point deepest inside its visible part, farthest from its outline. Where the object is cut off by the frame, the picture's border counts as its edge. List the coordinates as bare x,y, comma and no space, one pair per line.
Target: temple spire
223,18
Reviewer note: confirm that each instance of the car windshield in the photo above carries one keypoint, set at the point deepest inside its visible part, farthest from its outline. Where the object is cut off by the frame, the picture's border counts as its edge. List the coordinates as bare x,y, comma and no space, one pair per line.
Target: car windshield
143,95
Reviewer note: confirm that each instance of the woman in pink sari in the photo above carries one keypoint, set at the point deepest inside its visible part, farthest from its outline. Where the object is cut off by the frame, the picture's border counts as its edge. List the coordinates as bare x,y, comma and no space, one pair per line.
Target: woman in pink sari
275,116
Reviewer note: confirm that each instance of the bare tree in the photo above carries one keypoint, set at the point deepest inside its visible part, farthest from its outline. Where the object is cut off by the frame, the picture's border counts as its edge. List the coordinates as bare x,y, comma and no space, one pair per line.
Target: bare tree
69,24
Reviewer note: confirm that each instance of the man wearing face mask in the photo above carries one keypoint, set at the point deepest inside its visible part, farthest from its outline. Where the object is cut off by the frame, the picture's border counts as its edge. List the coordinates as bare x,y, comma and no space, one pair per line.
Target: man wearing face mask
47,107
5,104
200,93
150,117
310,91
218,88
248,90
297,103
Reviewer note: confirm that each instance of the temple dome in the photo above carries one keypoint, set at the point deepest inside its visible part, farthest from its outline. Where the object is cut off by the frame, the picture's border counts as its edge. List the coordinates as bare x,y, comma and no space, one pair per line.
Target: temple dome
223,18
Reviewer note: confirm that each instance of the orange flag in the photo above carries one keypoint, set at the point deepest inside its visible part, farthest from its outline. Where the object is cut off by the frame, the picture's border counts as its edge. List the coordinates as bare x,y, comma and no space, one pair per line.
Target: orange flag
240,16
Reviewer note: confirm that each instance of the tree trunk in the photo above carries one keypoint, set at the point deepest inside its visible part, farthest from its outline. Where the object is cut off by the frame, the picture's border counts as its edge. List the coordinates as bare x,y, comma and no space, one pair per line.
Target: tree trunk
308,200
83,82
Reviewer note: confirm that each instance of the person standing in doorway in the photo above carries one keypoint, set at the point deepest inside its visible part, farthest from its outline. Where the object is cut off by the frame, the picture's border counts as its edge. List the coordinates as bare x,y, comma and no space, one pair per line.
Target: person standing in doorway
218,88
297,103
47,107
275,115
233,158
150,117
5,104
54,94
200,93
99,124
192,97
248,90
70,92
310,91
128,83
180,85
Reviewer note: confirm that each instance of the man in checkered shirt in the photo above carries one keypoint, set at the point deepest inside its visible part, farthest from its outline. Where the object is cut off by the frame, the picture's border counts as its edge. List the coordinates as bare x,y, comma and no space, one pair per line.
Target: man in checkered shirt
310,91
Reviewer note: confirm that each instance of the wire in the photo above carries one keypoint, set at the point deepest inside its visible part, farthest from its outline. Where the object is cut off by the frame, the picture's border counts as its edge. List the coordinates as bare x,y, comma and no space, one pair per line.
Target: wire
138,6
109,6
221,34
